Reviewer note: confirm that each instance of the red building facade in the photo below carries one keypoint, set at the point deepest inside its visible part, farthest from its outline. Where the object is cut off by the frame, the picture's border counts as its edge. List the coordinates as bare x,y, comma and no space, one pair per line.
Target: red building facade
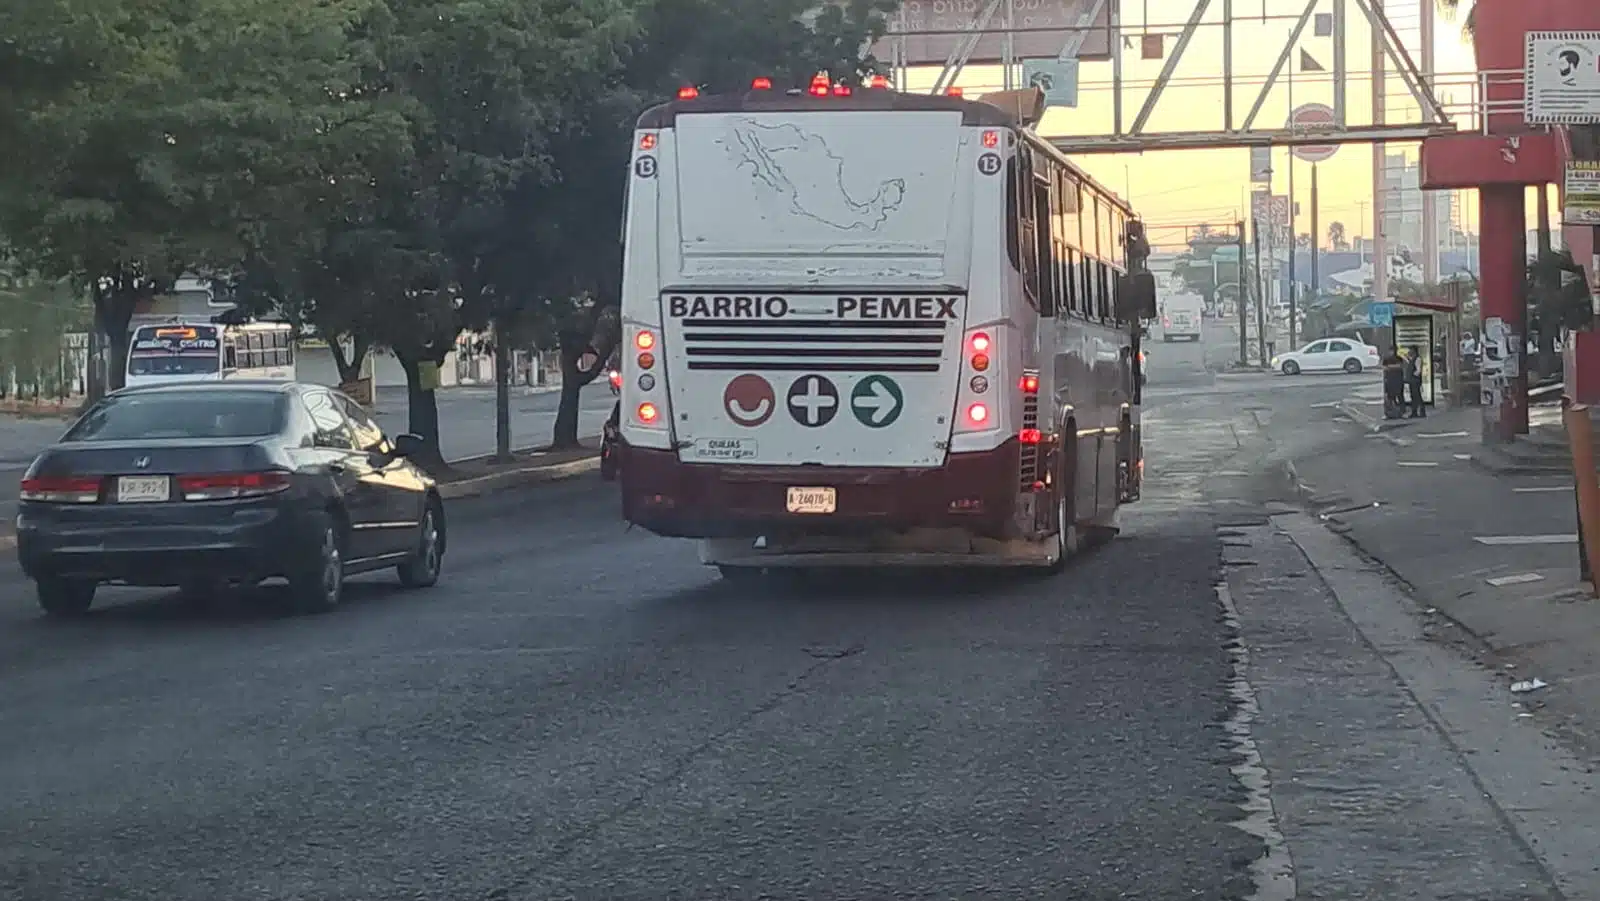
1501,165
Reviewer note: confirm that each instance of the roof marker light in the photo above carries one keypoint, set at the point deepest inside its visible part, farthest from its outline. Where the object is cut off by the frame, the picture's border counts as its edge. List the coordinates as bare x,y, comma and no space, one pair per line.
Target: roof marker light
991,139
688,93
761,83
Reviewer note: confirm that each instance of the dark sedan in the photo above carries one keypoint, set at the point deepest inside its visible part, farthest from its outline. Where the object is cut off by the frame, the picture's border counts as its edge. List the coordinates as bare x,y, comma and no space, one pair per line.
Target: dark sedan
204,485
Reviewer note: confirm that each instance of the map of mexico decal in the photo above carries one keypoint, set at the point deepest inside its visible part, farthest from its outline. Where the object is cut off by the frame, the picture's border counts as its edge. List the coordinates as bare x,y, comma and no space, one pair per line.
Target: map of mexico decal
749,400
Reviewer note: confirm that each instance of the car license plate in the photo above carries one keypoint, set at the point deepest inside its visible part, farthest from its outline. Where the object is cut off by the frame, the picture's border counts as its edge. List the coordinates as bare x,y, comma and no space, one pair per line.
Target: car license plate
143,489
813,500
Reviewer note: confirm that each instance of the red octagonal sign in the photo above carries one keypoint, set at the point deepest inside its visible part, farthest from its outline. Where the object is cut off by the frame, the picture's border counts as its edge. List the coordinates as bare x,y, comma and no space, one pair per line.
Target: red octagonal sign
1314,117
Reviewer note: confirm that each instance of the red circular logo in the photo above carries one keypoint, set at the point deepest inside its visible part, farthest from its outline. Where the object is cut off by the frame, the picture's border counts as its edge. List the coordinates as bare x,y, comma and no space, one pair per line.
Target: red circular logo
749,400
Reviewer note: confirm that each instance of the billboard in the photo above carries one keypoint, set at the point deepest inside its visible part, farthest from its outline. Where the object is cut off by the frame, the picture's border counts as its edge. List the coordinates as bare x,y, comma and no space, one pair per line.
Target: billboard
929,29
1562,78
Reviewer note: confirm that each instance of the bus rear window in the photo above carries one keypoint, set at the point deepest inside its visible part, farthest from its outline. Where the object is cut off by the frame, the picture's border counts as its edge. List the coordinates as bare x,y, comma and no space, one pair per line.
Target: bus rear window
203,414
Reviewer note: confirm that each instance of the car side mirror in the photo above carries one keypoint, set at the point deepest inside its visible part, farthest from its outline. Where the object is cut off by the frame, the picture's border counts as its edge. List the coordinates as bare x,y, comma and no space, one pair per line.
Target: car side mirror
407,445
1136,296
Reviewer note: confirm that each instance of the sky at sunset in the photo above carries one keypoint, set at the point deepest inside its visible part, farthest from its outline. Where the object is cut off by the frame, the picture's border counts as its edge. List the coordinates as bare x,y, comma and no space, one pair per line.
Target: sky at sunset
1175,188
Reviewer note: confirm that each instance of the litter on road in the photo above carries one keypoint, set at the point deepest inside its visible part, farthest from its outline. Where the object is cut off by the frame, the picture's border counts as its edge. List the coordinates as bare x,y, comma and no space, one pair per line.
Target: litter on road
1528,685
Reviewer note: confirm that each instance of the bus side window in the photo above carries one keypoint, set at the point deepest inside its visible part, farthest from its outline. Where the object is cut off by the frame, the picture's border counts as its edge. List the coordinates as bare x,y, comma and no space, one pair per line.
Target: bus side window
1043,247
1013,220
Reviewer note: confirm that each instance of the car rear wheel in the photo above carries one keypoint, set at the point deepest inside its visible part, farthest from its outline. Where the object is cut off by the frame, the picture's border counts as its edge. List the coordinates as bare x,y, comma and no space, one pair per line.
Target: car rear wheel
1290,367
1352,366
317,584
422,570
65,597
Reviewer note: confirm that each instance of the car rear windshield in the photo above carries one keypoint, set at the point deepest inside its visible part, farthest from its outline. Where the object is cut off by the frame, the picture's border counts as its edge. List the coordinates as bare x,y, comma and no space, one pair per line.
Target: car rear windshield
199,414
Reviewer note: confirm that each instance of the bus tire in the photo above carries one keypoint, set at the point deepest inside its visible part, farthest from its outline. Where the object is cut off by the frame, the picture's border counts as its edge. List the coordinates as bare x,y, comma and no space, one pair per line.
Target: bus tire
1068,540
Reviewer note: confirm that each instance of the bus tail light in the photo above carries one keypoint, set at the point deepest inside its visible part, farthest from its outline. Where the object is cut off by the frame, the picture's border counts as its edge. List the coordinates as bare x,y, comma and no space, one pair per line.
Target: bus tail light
61,490
978,414
1030,436
231,485
648,413
1029,384
647,360
645,339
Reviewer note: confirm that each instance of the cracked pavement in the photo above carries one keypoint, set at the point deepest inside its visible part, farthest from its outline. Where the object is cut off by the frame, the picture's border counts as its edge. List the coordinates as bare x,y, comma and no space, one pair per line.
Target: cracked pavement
583,711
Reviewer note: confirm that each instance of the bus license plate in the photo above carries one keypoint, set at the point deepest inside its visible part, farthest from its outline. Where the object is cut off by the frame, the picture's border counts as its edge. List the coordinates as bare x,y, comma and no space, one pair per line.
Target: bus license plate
813,500
143,489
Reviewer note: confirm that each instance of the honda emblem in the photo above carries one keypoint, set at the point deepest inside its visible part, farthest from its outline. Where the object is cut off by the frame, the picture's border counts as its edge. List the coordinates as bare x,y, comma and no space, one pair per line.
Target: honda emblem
141,463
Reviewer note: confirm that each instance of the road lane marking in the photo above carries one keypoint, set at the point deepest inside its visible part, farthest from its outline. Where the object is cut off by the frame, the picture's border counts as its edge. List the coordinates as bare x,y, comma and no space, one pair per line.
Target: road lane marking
1441,434
1462,456
1504,540
1533,489
1518,579
1417,463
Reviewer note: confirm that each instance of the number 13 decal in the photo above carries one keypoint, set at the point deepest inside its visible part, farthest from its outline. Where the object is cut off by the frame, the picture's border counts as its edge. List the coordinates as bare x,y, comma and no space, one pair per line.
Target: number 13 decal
645,167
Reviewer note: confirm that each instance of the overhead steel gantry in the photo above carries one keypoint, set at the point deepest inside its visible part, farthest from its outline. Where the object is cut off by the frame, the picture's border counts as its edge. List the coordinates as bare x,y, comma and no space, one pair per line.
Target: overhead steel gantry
1234,132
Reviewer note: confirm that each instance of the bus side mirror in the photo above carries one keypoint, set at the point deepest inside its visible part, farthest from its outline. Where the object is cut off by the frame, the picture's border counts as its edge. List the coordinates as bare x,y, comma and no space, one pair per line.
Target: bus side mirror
1136,296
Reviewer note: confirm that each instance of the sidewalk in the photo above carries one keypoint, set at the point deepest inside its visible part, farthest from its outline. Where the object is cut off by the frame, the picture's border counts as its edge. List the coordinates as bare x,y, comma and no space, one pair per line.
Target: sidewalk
1495,553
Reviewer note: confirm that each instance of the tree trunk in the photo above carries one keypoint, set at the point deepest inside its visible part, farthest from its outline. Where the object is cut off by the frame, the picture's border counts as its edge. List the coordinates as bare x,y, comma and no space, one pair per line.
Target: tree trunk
422,409
349,367
113,315
502,392
566,431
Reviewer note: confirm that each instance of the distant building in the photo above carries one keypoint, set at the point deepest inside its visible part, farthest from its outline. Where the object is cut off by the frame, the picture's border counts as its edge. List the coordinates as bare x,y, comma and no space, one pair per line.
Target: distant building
1402,206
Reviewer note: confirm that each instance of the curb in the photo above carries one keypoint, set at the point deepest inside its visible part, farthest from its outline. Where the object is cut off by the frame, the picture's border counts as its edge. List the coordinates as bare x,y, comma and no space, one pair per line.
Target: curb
1520,469
513,478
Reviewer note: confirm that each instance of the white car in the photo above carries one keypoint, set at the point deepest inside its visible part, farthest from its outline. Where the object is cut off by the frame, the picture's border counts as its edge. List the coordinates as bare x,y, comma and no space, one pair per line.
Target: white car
1328,355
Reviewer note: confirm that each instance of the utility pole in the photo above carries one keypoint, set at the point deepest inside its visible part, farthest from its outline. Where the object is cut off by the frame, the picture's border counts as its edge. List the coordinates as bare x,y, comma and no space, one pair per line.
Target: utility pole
1261,310
1242,299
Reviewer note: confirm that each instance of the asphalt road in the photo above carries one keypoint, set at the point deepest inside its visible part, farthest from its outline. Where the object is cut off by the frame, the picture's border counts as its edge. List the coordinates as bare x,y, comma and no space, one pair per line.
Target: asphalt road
583,711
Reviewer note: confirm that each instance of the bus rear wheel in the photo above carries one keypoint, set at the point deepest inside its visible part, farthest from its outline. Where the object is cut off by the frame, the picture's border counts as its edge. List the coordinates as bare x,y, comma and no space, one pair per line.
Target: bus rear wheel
1068,539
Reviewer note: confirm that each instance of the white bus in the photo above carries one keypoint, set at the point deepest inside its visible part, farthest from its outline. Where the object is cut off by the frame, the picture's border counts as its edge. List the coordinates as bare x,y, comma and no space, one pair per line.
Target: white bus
186,351
866,327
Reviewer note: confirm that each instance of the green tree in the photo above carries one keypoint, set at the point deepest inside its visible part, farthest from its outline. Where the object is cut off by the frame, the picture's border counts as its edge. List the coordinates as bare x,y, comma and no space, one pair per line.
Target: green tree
195,119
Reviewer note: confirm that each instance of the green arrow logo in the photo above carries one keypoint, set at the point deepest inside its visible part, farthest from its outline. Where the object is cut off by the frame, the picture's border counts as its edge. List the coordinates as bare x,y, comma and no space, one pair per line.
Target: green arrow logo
877,401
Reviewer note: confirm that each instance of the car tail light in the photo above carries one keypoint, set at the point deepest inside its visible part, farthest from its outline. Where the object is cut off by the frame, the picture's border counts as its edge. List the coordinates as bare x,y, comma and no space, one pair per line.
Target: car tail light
879,82
819,86
952,92
841,90
977,414
648,413
761,84
688,93
58,490
226,485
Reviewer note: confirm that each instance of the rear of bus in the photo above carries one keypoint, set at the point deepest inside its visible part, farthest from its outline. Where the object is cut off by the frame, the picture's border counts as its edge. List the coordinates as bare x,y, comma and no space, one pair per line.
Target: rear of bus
813,316
174,352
